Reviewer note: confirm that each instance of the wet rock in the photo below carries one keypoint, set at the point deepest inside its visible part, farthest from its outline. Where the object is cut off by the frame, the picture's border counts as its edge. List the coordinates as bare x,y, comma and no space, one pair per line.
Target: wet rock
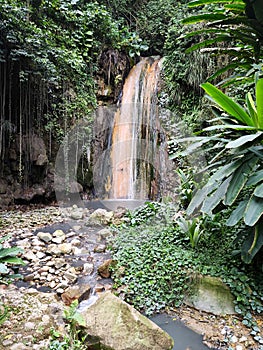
88,269
58,236
76,242
65,248
58,240
76,213
100,248
23,243
77,292
104,233
44,236
71,277
104,268
128,328
100,217
3,186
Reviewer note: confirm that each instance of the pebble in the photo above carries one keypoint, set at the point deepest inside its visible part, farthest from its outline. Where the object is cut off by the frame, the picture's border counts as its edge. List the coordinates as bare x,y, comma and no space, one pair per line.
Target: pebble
44,236
30,256
242,339
65,248
40,255
29,326
233,339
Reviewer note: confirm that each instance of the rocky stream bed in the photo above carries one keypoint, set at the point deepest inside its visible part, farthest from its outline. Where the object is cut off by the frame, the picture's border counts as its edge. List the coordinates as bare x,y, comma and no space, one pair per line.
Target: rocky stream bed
66,256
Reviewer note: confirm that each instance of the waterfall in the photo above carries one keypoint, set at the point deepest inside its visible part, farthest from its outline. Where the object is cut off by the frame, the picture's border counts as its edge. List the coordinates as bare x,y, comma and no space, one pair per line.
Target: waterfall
131,166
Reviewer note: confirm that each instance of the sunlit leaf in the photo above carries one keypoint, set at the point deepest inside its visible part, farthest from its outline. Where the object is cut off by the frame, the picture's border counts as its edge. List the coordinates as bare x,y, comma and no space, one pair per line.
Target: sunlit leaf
227,104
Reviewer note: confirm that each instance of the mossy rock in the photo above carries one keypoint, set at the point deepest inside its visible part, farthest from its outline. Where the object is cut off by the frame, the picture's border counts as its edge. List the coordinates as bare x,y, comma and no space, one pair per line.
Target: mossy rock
210,294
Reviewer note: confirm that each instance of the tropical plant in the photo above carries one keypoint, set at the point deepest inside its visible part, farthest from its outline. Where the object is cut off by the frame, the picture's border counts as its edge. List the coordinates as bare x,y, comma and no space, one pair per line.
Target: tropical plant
237,181
9,256
238,25
191,227
70,341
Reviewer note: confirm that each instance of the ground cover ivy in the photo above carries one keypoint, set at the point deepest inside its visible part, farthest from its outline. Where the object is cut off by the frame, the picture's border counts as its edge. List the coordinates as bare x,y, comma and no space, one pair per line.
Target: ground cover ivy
156,260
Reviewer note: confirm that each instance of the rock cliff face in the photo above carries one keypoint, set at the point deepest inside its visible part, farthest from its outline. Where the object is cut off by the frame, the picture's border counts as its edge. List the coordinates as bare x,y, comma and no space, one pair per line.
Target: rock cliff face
27,160
26,174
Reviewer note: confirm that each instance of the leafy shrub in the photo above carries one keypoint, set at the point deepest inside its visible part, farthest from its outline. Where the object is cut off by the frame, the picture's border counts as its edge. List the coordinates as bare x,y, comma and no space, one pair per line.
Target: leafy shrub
237,178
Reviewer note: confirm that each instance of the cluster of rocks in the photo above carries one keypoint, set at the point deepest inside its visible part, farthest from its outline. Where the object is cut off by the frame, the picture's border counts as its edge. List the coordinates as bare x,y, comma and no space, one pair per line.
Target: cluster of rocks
59,256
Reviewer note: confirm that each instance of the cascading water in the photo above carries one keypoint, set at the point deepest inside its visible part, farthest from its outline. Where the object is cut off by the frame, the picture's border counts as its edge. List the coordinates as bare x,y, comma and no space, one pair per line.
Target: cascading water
132,165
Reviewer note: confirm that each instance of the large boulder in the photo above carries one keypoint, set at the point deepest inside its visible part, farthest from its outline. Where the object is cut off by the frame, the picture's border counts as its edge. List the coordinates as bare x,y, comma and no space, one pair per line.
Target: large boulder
210,294
118,326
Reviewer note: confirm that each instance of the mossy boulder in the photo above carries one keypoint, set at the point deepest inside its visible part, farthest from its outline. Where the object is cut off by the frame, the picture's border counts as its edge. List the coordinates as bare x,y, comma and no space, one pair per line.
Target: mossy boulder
118,326
210,294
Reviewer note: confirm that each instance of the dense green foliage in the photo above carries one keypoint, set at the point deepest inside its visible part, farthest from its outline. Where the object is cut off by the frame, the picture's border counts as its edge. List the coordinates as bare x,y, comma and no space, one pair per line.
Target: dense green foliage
237,177
233,29
155,273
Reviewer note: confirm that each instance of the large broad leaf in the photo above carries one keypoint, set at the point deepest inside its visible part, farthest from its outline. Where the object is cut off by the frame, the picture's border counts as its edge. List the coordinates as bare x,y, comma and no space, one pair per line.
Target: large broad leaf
227,104
205,2
229,126
255,178
212,201
237,214
203,17
199,197
252,109
225,171
205,43
238,180
259,191
252,244
243,140
259,102
254,211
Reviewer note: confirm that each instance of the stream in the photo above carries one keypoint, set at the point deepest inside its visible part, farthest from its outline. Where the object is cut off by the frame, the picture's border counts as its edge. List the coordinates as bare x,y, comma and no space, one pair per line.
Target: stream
184,337
88,238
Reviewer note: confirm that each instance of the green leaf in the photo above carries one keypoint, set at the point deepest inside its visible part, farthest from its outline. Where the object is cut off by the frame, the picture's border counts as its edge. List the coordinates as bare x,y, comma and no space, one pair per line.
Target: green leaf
14,260
78,317
252,244
199,197
259,102
205,2
13,251
244,140
216,197
229,126
225,171
203,17
237,214
254,211
252,109
227,104
259,191
5,238
205,43
238,180
255,178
